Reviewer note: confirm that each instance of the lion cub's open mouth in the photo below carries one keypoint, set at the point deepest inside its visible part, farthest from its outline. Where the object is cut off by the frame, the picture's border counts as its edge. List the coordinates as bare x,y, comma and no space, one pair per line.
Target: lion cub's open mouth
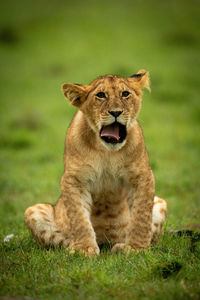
113,133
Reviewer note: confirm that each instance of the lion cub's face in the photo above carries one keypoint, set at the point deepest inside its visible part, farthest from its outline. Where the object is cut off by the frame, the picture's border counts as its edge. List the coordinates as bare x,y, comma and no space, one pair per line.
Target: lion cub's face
110,104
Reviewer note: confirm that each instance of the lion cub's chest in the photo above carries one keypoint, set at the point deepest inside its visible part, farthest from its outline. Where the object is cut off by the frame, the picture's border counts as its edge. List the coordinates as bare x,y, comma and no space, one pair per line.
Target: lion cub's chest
107,185
110,211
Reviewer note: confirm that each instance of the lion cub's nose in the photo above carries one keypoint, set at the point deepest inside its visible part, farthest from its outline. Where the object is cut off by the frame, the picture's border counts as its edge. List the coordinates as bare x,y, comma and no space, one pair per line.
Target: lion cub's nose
115,113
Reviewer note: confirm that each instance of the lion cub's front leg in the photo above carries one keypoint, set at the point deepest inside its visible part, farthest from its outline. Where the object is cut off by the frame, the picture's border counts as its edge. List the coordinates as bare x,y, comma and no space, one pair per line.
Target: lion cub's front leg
140,230
141,203
77,201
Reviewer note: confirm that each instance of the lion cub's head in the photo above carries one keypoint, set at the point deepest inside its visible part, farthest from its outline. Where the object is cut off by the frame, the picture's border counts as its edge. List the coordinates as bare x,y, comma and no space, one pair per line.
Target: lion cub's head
110,104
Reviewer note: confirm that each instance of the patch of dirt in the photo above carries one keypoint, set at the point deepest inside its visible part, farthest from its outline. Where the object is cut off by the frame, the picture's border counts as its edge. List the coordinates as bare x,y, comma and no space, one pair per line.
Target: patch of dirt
29,121
168,268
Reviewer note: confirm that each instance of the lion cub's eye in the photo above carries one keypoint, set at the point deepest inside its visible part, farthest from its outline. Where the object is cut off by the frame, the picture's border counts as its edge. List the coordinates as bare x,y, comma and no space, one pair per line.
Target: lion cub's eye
125,94
101,95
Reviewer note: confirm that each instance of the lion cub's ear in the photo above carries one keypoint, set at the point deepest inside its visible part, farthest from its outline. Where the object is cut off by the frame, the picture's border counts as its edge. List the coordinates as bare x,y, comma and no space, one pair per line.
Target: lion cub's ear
141,78
75,93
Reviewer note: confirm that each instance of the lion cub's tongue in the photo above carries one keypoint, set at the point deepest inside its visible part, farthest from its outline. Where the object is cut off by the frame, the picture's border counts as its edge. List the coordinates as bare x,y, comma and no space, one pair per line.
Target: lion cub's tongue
111,131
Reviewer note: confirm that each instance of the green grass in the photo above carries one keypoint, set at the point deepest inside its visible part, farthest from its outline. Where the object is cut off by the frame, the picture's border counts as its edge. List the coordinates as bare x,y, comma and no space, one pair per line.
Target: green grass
46,43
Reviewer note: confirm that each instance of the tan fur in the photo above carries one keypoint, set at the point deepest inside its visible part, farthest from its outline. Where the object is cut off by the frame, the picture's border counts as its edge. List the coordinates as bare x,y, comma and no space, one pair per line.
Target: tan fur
107,189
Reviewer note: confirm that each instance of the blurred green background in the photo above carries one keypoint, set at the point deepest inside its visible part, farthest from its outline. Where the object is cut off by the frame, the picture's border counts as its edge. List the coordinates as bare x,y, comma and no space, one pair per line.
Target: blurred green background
46,43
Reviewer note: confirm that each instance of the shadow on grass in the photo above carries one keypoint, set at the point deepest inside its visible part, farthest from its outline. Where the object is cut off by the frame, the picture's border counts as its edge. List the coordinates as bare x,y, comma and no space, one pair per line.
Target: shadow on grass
9,36
181,38
15,143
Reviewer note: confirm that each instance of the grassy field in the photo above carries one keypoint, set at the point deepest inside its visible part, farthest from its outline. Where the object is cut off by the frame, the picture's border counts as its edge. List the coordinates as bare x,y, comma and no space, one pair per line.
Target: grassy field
46,43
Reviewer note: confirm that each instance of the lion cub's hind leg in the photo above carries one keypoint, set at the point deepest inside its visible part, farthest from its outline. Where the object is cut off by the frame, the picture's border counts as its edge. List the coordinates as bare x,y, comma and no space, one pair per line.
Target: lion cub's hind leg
40,221
158,217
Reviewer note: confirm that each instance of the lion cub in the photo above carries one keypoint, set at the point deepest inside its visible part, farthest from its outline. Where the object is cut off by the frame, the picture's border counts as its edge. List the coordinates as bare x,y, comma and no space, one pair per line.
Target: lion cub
107,189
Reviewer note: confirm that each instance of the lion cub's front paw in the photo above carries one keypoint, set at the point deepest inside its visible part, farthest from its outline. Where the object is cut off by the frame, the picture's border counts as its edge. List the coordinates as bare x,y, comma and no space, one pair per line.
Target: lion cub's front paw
86,250
125,248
